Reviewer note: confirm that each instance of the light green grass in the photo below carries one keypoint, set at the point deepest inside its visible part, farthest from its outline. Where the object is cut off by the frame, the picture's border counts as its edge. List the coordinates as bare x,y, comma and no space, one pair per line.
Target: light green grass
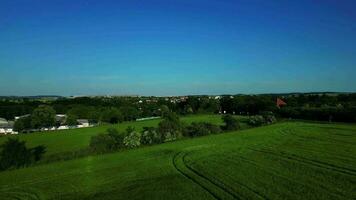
289,160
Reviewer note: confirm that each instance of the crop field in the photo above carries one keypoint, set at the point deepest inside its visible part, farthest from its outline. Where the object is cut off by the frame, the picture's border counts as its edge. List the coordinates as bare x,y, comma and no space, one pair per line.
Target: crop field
290,160
75,139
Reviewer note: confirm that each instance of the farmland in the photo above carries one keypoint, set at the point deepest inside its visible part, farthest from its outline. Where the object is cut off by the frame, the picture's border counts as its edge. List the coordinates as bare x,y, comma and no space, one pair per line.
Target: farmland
290,160
75,139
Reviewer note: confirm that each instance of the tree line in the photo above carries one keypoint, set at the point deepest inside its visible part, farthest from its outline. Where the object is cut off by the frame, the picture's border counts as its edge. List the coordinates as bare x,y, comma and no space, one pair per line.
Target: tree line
338,107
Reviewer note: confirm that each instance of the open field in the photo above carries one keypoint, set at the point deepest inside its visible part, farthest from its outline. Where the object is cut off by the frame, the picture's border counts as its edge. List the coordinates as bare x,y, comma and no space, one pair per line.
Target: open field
291,160
76,139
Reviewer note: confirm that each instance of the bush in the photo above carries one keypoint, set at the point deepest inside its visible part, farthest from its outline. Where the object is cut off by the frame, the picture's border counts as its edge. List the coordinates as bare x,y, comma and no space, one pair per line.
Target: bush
200,129
270,119
231,123
170,128
150,136
117,137
15,154
102,143
256,120
264,118
132,140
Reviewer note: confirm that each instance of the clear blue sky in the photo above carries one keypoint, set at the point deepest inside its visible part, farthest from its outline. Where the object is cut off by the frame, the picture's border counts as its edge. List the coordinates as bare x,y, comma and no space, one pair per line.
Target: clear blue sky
176,47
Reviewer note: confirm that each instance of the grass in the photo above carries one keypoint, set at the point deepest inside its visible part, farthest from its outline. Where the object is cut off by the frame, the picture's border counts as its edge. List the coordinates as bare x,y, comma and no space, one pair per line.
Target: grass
290,160
63,141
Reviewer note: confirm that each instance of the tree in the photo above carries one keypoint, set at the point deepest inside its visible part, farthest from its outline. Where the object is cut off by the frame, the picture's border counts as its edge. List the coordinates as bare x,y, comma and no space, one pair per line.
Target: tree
164,110
170,126
71,120
129,113
231,123
22,124
111,115
43,116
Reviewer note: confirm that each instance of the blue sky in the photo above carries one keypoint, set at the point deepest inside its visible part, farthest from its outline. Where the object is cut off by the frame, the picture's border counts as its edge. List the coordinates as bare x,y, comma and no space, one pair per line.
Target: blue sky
176,47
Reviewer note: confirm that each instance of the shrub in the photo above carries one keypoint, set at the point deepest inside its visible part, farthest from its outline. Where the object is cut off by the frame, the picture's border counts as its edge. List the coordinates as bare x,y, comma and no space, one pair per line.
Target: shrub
15,154
270,119
231,123
111,141
102,143
170,128
200,129
214,129
150,136
117,137
256,120
132,140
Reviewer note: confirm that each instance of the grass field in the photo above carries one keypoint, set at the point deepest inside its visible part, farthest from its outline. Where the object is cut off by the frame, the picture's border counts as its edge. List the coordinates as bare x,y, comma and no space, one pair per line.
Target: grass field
290,160
75,139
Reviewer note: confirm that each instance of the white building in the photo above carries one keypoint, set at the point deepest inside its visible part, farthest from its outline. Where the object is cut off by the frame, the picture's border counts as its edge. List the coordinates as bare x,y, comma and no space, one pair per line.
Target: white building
6,127
82,123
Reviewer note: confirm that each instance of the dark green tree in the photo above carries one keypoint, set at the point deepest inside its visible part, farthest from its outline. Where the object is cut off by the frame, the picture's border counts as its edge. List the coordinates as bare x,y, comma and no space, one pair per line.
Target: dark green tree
22,124
43,116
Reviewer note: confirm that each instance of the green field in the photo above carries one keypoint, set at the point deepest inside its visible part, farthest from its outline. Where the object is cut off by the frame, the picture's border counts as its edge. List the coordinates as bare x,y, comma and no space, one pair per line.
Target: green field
75,139
290,160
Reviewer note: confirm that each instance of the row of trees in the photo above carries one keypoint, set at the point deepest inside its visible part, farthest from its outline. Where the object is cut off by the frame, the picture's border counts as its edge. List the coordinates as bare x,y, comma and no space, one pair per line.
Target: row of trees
118,109
169,129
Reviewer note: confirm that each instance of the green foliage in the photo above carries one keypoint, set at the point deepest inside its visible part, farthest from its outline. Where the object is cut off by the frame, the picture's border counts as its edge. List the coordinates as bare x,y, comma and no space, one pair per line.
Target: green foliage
129,113
102,143
170,128
150,136
112,115
38,152
43,116
132,140
257,120
200,129
71,120
22,124
15,154
164,110
108,142
73,140
231,123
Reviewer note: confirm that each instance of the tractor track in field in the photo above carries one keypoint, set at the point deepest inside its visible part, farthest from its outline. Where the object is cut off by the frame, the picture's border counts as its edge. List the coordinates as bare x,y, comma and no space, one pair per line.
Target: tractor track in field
218,185
229,190
311,162
191,178
272,172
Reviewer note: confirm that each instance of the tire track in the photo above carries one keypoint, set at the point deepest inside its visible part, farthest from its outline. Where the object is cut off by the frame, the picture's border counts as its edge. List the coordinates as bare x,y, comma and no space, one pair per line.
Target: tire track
191,178
209,179
274,173
307,161
223,187
179,157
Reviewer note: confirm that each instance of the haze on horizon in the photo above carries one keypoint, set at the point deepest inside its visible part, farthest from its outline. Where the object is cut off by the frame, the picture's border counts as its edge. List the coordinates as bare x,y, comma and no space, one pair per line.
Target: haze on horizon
167,47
